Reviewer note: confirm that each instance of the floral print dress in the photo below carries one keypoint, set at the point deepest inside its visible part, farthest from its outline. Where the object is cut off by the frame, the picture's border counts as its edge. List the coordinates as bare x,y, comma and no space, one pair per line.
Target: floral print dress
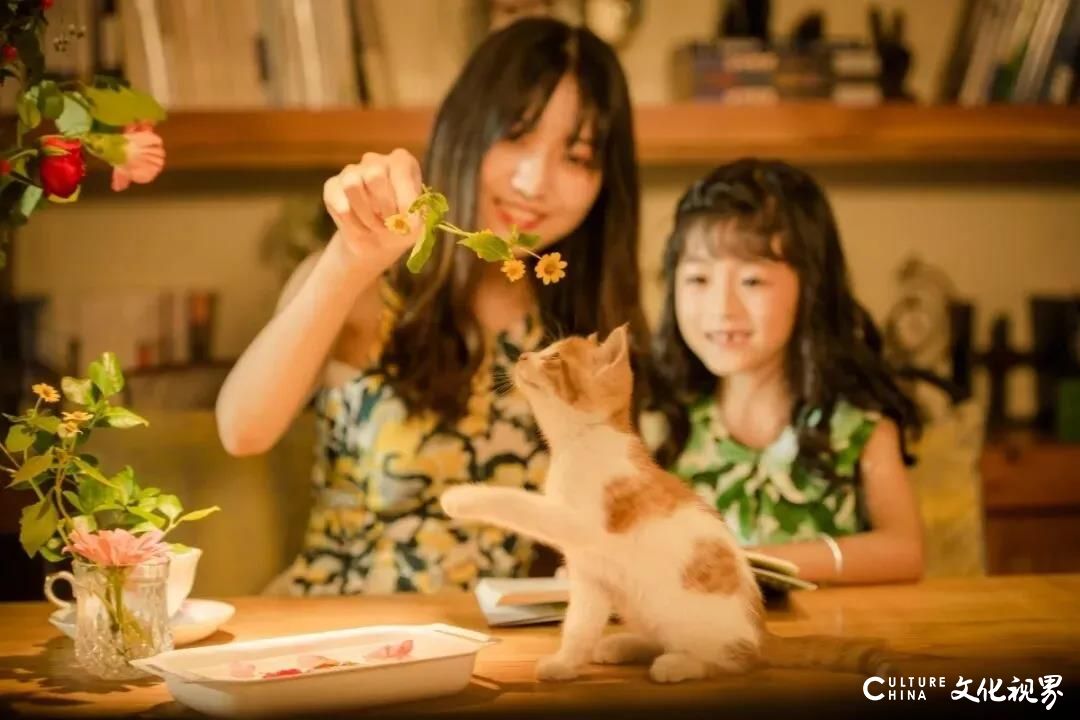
767,497
377,525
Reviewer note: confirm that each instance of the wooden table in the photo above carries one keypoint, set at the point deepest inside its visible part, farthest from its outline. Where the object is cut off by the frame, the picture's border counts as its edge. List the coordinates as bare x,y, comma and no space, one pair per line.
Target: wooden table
1025,626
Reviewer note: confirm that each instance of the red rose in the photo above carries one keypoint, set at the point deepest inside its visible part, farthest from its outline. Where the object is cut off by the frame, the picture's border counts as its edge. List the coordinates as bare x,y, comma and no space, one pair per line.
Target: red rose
5,166
62,166
9,53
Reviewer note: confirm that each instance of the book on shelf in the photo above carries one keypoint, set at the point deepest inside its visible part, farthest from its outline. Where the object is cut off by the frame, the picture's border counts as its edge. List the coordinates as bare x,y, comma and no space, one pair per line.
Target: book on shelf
1016,51
510,602
248,54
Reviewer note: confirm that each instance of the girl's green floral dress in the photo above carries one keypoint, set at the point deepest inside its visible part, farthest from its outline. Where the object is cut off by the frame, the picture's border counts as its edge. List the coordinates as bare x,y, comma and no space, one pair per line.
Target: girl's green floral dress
765,496
377,525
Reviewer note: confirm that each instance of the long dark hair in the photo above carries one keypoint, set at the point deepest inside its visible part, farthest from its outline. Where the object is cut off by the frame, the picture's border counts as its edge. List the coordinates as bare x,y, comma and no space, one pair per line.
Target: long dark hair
835,350
436,345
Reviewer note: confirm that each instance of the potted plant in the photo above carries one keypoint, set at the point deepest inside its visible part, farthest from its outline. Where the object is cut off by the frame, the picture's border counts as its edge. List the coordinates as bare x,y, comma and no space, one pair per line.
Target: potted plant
111,527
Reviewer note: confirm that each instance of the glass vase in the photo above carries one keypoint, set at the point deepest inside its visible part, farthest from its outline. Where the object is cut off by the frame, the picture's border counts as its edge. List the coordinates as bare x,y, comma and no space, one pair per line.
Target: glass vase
120,616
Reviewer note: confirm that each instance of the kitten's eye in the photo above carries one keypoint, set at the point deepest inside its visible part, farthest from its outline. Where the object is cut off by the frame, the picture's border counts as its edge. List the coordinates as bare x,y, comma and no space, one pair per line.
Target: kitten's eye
752,281
553,357
695,279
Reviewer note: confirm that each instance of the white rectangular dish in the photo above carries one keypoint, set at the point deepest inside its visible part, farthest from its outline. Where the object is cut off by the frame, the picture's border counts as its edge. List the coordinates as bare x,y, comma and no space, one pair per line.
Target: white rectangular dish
341,669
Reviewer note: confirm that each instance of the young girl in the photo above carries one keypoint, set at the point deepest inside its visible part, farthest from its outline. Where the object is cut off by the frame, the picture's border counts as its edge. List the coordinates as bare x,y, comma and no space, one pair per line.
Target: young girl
536,132
783,414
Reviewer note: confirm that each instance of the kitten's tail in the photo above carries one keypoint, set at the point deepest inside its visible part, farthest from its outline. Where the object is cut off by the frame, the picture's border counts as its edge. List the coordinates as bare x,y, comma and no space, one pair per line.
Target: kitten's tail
855,655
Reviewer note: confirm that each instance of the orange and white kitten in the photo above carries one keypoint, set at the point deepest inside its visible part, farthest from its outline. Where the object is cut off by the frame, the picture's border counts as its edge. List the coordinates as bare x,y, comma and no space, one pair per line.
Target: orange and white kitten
637,540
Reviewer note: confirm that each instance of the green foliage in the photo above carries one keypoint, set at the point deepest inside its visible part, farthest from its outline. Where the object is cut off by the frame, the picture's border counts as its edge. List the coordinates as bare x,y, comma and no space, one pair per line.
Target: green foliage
42,453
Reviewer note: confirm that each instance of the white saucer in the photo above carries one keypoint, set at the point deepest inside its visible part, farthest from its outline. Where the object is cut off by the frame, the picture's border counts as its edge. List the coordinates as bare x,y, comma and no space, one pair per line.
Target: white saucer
195,620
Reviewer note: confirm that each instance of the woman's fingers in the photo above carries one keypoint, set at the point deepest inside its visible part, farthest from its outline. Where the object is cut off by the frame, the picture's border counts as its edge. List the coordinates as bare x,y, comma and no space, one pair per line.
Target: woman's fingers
337,204
404,173
375,175
352,179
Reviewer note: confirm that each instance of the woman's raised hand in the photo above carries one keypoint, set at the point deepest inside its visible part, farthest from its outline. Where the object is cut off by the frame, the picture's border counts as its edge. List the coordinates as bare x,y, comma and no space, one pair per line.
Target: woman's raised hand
362,196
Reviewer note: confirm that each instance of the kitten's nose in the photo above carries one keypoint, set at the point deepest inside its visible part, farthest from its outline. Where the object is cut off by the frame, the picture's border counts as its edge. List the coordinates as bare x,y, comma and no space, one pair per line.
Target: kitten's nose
525,356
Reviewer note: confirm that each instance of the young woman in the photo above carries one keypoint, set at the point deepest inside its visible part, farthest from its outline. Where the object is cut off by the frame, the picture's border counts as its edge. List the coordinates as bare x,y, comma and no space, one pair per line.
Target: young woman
535,133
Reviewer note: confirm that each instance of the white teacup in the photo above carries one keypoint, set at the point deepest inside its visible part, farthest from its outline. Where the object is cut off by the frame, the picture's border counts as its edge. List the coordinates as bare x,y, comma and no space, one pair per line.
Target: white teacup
182,566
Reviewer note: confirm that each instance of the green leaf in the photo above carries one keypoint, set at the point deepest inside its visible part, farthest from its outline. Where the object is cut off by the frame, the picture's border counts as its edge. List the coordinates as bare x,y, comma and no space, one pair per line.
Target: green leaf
50,555
32,468
106,375
78,390
169,506
147,493
91,471
144,527
124,481
120,106
27,108
76,503
199,514
517,237
37,525
155,520
19,438
50,100
48,423
421,250
110,147
179,548
85,523
430,203
75,119
487,246
119,417
29,201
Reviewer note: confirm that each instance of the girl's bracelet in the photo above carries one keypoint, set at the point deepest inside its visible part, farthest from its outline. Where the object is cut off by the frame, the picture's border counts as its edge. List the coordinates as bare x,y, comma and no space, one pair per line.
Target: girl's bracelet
837,556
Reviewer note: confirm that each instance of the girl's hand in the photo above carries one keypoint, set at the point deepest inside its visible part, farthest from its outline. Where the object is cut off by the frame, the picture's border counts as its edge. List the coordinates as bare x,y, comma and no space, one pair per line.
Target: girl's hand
362,196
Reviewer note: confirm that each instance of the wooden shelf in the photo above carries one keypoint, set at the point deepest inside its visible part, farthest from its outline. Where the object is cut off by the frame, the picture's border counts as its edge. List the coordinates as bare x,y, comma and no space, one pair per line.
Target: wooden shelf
678,134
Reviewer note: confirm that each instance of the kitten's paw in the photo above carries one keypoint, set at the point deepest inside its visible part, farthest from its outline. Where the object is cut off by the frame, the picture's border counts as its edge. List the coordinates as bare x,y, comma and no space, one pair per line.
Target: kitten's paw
624,648
677,667
459,501
554,668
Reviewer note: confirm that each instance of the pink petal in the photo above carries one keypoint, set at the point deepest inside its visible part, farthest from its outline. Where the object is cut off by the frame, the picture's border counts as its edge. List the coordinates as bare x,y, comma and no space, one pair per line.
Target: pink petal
392,652
121,180
242,670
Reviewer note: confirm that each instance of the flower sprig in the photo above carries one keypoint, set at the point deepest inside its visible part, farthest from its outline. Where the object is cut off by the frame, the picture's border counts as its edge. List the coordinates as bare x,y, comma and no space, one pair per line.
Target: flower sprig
59,124
432,207
44,452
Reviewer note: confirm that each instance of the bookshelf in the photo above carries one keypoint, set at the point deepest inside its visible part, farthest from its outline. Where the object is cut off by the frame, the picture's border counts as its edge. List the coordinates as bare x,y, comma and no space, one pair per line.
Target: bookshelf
675,134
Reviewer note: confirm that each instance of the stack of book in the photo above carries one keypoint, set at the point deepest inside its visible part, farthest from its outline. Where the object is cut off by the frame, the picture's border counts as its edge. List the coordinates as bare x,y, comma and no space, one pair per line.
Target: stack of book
509,602
743,71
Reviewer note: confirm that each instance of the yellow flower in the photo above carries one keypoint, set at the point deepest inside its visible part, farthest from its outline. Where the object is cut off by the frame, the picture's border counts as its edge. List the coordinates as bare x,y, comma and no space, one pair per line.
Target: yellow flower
68,429
513,269
550,268
398,224
46,392
77,417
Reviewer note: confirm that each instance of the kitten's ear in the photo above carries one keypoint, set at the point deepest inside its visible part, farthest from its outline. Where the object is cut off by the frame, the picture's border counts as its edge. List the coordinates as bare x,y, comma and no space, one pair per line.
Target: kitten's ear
616,346
593,339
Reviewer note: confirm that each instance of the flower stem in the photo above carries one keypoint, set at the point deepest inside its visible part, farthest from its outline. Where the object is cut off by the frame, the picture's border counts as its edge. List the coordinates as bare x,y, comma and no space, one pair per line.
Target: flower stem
453,229
13,460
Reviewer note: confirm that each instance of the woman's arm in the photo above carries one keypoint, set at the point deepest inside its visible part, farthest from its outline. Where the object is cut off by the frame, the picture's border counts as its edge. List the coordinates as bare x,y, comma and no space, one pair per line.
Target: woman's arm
893,550
275,374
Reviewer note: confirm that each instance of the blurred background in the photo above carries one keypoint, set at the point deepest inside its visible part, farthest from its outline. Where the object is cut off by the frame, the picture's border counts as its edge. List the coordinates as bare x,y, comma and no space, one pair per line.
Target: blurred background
946,132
